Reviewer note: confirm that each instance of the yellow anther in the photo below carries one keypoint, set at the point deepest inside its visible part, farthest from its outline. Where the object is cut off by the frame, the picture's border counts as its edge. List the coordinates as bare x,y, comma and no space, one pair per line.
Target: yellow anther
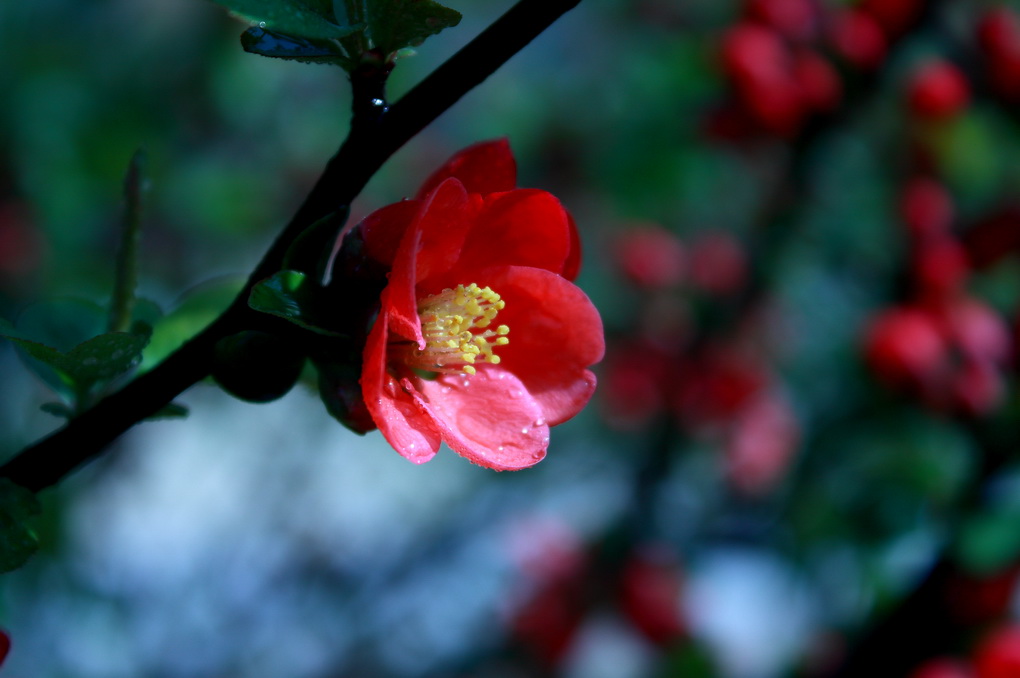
455,324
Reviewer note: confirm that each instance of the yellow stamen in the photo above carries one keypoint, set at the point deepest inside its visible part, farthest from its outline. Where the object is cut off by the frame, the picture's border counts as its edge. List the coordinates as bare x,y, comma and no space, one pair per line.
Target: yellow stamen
455,326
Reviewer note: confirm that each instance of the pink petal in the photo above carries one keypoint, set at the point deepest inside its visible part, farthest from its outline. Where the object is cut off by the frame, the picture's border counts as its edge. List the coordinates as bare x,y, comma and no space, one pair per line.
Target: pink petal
555,334
402,422
485,167
489,418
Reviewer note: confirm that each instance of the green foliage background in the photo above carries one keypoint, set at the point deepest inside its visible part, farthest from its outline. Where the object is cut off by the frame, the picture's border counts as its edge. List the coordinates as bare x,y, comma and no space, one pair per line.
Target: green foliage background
341,556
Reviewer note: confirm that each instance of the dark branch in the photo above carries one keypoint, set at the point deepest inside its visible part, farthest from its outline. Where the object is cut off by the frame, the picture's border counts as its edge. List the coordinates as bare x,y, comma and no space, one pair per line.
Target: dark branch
366,148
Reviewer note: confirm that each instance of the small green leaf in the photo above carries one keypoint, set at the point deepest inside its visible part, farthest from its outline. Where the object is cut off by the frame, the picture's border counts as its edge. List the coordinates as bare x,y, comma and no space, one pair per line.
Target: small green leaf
395,24
57,410
294,296
95,360
270,44
199,307
61,323
313,19
45,355
17,540
104,357
311,252
989,541
170,411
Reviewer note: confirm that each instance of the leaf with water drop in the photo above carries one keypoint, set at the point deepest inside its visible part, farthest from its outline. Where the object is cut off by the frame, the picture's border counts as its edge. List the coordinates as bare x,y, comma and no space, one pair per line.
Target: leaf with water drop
306,50
312,19
396,24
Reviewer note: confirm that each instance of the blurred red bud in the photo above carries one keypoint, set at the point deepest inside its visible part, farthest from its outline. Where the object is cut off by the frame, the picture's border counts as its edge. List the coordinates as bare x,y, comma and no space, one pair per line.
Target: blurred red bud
718,264
895,16
857,37
937,90
820,86
942,667
926,208
998,655
940,268
650,589
904,347
650,256
794,19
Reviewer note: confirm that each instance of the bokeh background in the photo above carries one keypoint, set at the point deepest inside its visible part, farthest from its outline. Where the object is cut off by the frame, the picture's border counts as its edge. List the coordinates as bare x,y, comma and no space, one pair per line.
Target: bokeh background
801,227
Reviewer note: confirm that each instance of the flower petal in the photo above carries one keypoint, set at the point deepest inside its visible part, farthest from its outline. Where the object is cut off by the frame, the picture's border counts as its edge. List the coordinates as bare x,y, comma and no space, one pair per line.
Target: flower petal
572,266
525,227
485,167
555,334
432,242
395,411
384,229
489,418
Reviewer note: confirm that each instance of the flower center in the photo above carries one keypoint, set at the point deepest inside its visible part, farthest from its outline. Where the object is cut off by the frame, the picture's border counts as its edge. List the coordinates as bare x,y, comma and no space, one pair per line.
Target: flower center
456,325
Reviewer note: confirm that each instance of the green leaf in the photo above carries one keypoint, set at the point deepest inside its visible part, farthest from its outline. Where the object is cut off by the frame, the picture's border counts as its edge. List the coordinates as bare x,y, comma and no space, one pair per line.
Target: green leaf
199,307
313,19
17,540
988,542
170,411
270,44
311,252
57,410
395,24
103,358
61,323
99,359
294,296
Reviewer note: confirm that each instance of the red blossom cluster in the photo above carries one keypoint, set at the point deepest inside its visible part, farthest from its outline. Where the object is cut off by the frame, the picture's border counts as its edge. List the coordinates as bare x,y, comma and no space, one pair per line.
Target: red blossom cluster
997,655
943,346
716,384
786,60
998,34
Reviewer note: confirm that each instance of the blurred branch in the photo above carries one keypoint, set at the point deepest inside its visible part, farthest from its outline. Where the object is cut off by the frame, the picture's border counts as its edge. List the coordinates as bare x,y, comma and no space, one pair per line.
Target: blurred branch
368,145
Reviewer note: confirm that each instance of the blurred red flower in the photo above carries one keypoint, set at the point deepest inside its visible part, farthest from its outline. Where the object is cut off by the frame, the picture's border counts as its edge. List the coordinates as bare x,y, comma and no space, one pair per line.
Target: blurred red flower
472,258
938,89
998,655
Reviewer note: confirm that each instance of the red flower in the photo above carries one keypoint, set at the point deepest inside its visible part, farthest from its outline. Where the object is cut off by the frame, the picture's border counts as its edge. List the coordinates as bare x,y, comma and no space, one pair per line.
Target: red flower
481,341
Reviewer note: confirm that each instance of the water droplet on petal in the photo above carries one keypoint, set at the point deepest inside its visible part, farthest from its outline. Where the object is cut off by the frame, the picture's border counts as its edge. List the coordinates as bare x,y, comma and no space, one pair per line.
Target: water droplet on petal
525,430
262,24
539,422
500,448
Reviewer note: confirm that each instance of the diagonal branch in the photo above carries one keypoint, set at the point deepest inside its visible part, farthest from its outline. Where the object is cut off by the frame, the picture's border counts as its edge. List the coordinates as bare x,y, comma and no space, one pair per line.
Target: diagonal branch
366,148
